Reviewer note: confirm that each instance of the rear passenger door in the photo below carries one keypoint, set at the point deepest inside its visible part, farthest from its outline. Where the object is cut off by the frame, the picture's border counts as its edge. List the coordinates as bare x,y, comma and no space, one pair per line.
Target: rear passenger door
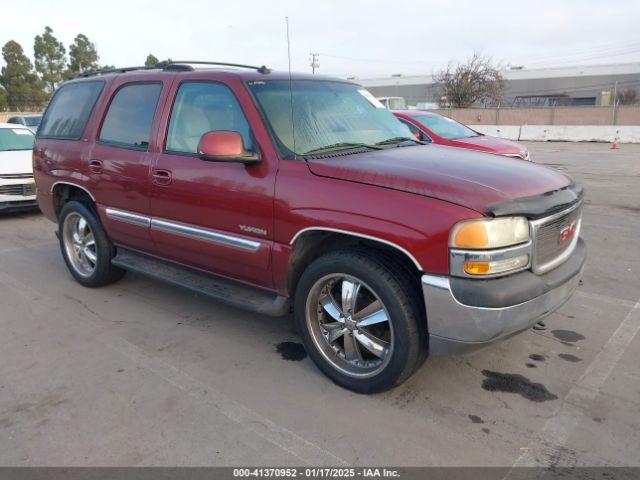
120,162
214,216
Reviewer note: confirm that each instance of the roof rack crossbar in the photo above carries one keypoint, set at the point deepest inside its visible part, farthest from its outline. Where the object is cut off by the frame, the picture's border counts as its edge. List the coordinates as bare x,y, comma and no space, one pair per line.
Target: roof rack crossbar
101,71
183,64
169,65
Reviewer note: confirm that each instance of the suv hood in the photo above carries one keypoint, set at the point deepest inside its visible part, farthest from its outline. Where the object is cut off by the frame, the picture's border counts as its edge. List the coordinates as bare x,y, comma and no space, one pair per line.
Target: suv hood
464,177
16,161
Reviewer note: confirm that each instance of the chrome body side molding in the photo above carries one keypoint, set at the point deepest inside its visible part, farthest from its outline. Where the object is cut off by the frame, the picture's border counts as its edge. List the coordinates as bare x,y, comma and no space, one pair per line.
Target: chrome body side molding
204,234
182,229
129,217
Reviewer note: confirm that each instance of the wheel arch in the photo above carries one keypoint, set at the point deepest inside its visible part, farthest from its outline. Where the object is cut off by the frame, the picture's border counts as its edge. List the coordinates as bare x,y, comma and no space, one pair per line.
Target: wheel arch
310,243
63,191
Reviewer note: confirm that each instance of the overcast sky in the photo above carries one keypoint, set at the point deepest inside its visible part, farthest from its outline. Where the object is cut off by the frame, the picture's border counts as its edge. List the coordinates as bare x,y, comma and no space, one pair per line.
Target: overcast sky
364,39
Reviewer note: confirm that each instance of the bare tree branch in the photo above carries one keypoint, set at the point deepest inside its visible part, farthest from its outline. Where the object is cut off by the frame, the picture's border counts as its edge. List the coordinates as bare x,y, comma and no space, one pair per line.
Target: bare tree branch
476,81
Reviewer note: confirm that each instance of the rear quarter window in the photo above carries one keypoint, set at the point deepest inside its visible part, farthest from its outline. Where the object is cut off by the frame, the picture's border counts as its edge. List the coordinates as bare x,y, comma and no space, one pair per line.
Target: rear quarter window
69,110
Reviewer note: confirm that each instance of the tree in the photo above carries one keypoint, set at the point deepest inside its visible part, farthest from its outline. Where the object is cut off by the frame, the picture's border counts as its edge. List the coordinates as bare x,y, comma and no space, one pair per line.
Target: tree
628,96
50,59
476,81
150,61
24,90
82,55
4,106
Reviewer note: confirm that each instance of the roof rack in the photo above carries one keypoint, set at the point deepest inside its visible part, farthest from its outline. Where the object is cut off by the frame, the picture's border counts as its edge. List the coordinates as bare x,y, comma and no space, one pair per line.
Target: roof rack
170,65
102,71
186,65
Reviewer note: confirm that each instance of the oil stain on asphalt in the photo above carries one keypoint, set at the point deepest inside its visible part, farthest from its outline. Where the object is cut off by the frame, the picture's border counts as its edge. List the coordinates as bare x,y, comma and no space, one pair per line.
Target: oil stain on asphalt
291,351
567,335
569,358
513,383
475,419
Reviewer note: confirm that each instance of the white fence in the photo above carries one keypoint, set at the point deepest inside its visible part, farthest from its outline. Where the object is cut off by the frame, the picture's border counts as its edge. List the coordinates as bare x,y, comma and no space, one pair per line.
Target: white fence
566,133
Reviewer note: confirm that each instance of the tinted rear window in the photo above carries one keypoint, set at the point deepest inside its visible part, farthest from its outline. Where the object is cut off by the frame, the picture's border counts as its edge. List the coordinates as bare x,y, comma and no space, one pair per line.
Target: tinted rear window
128,121
69,110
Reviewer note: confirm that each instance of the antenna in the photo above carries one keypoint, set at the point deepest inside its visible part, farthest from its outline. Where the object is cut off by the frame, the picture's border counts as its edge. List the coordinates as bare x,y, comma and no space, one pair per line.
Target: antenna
293,130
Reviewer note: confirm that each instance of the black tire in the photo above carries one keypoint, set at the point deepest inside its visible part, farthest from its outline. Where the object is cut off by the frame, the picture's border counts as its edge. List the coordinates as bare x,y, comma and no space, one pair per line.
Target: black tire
103,272
397,289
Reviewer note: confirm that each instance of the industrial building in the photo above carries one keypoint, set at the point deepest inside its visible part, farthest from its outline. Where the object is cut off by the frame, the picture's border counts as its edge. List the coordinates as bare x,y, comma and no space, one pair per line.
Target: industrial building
558,86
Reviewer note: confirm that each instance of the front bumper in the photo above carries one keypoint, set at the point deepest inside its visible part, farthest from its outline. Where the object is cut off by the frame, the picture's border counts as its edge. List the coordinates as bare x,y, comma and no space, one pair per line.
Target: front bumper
462,319
18,205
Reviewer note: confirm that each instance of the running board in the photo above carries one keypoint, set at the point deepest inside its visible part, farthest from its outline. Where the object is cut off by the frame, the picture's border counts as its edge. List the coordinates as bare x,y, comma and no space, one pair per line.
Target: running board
226,291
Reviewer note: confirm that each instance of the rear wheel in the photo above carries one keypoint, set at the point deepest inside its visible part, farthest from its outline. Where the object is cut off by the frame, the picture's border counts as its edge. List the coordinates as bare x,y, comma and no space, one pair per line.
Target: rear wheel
361,320
85,246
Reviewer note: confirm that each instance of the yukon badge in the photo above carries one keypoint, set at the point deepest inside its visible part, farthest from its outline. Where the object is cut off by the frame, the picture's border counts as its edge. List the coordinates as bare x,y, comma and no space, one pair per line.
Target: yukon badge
250,229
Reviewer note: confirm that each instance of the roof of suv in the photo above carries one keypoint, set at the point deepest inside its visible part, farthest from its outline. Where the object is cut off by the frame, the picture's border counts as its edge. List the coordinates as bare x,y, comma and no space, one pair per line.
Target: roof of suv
245,74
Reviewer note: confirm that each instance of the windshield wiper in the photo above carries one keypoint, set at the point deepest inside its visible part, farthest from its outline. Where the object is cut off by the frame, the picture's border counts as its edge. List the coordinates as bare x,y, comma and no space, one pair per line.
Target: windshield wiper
391,141
341,146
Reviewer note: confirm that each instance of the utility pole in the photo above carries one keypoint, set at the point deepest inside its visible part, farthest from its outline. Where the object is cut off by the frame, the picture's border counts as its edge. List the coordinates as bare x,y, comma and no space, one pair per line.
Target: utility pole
314,61
615,103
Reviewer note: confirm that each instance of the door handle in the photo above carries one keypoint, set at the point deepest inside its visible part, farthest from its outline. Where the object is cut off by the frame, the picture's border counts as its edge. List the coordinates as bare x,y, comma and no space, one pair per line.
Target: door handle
161,177
95,166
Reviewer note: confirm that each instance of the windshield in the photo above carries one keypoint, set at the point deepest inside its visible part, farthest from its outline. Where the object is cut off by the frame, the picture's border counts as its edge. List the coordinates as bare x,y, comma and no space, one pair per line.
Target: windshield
32,121
445,127
16,139
326,114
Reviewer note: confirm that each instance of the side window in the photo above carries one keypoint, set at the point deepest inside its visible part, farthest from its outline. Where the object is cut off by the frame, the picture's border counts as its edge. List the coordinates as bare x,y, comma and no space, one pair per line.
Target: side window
130,115
69,110
415,130
201,107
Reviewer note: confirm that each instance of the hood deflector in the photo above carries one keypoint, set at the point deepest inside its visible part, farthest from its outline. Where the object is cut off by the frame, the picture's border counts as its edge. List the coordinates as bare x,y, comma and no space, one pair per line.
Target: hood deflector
538,206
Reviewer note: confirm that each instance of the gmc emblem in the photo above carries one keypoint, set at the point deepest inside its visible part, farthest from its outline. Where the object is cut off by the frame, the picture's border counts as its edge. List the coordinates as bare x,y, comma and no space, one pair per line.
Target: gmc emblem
567,232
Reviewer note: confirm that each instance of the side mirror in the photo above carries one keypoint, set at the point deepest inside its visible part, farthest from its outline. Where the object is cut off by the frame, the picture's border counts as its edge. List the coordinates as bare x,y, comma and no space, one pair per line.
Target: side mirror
225,146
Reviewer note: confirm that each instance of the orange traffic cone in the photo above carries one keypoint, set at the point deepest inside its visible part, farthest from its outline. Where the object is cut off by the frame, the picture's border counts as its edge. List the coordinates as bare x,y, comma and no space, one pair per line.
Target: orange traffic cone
614,145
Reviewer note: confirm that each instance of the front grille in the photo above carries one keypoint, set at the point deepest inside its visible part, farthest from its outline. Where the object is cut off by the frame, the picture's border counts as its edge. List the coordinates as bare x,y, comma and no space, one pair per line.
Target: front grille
549,251
11,176
23,190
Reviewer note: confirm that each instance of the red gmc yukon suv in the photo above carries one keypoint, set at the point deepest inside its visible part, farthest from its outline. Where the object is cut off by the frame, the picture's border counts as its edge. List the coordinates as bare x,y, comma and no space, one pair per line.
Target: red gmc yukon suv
274,192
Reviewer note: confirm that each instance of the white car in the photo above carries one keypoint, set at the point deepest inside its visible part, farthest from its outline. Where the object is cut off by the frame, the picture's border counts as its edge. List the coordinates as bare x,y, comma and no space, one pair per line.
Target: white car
17,188
32,122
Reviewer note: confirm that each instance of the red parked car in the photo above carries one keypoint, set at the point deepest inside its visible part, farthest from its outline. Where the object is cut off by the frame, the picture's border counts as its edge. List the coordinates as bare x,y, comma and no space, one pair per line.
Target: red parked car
431,127
387,250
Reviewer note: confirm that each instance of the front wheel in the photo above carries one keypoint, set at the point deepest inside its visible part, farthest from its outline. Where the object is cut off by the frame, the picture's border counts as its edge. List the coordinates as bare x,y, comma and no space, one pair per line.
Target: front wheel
85,247
361,320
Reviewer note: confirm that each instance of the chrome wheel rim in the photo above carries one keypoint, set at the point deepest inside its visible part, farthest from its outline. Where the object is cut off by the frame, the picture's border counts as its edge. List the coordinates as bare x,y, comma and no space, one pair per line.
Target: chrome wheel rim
79,244
349,325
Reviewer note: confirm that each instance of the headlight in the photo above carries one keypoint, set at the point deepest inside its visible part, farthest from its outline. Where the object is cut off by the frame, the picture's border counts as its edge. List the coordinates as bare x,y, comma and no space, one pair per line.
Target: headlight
490,233
490,247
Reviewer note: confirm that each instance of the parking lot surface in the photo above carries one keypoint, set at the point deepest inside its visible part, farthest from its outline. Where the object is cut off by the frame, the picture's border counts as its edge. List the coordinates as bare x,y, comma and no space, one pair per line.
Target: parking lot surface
142,373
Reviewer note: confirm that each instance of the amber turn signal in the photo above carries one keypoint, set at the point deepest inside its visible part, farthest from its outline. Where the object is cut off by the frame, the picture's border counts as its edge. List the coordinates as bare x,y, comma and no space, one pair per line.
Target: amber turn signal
477,268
